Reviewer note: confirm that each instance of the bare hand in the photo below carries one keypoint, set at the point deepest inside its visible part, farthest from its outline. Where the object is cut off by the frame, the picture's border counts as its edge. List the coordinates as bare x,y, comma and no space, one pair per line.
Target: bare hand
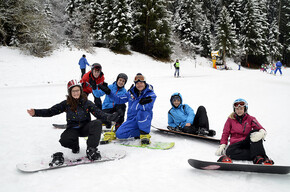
188,124
31,112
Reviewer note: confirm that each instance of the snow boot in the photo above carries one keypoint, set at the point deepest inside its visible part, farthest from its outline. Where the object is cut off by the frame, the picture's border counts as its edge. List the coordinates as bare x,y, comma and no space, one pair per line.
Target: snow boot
211,133
76,150
224,159
145,139
57,159
268,161
93,153
258,160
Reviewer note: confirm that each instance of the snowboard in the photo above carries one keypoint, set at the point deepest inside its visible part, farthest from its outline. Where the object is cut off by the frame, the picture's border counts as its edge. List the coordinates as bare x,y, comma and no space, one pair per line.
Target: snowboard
258,168
131,142
187,134
41,165
63,126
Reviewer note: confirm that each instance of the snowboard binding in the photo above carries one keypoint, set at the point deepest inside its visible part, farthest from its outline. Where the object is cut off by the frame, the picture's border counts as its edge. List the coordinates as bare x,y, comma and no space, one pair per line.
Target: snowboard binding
57,159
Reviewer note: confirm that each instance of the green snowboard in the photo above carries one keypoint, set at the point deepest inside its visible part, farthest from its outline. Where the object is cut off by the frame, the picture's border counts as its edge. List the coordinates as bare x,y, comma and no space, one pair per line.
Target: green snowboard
131,142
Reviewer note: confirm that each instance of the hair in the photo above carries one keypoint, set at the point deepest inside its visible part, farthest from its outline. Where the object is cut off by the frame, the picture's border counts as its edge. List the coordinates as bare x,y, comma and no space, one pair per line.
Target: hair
72,102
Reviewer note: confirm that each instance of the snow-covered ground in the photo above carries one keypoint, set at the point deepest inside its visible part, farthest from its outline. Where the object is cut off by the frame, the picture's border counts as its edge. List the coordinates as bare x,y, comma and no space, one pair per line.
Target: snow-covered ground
28,82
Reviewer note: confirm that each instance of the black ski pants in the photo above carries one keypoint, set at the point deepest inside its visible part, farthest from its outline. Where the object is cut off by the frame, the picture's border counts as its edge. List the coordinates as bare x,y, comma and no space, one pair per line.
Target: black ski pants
93,130
246,149
120,109
200,121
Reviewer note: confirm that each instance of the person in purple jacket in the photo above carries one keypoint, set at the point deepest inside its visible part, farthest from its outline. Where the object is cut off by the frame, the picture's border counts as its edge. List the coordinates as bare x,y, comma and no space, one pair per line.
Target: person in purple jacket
246,137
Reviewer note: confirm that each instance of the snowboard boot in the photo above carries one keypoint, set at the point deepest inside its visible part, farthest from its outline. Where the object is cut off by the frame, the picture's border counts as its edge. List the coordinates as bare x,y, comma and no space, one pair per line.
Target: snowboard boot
145,139
258,160
109,136
93,153
174,128
57,159
268,161
224,159
211,133
202,132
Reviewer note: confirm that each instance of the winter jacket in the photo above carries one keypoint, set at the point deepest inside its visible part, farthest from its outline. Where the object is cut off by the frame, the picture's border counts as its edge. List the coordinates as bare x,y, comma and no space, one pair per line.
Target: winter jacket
75,119
239,131
278,64
109,102
139,116
181,115
83,62
86,81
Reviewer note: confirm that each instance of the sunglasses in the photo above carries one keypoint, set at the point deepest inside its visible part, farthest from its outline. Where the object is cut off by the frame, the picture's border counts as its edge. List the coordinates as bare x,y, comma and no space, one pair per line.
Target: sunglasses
239,104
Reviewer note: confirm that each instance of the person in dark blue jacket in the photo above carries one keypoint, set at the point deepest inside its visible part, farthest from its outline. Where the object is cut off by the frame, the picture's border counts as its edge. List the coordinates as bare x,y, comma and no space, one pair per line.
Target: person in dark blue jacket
278,67
140,98
181,117
83,63
109,105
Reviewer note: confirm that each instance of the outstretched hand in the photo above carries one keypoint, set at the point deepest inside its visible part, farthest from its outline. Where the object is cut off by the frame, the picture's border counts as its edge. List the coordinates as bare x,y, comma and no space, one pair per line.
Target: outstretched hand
31,112
104,87
113,117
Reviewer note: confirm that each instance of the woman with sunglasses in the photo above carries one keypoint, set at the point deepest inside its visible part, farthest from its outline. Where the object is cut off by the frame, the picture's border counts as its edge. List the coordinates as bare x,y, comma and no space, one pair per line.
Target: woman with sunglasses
246,137
140,98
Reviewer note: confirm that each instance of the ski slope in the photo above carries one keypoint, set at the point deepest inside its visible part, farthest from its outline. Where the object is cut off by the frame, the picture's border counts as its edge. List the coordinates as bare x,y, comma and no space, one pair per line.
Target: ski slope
29,82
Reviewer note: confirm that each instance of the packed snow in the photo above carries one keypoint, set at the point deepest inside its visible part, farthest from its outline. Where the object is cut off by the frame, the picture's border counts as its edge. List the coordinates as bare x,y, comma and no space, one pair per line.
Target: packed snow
28,82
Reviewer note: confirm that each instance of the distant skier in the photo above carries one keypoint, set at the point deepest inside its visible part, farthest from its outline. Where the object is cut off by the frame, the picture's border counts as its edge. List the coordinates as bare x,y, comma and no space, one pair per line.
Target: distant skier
181,117
140,98
90,81
278,67
83,63
79,123
176,66
246,137
109,106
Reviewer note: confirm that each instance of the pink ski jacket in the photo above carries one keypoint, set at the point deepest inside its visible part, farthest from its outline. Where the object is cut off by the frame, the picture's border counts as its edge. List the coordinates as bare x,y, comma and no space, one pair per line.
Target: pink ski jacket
237,131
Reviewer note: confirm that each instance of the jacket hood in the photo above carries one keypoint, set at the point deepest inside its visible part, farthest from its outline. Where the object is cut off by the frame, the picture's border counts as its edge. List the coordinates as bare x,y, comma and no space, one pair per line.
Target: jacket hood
176,94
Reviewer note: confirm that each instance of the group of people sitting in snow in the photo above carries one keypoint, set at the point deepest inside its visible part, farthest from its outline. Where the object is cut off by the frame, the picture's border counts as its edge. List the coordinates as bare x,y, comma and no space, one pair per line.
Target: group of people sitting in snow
244,131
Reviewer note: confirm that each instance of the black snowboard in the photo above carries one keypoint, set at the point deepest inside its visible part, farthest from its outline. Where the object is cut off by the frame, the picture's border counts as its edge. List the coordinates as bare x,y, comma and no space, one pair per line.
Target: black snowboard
59,126
188,134
207,165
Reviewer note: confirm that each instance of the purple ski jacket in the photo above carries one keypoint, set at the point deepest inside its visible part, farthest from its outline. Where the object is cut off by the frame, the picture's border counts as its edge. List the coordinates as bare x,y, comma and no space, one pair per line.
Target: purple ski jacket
239,131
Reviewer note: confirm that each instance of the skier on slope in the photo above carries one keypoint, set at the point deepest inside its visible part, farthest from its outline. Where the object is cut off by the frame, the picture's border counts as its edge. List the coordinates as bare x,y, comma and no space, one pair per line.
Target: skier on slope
181,117
79,124
278,67
109,106
90,81
83,63
246,137
176,66
140,98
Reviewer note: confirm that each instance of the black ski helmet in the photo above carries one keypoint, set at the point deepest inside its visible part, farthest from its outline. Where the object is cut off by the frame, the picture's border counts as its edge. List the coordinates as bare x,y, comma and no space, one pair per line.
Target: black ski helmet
96,66
123,76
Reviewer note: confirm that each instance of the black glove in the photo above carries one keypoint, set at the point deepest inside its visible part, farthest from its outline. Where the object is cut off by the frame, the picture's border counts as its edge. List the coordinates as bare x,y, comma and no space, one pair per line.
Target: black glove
93,83
104,87
113,117
145,100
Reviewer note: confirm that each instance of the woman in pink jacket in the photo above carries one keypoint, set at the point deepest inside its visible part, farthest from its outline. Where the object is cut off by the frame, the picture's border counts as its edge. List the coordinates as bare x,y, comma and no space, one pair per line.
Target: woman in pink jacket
246,137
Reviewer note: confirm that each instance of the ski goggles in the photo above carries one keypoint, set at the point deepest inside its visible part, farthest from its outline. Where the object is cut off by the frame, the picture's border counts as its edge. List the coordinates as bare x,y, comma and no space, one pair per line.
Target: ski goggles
139,78
239,104
175,98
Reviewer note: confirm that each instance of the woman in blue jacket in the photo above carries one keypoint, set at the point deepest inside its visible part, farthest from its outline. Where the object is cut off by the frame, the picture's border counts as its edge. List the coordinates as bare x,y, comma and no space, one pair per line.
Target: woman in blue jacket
181,117
109,105
140,98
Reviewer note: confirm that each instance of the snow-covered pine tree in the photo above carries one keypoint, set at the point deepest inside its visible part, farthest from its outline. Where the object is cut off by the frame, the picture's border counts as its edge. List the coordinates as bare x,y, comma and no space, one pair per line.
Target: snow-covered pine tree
151,33
205,38
122,27
188,22
275,47
97,22
24,25
226,36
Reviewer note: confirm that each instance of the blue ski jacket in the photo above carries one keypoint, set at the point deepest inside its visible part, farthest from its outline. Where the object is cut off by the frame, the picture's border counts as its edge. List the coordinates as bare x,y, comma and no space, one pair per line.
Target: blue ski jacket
139,116
109,102
83,62
278,64
179,116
